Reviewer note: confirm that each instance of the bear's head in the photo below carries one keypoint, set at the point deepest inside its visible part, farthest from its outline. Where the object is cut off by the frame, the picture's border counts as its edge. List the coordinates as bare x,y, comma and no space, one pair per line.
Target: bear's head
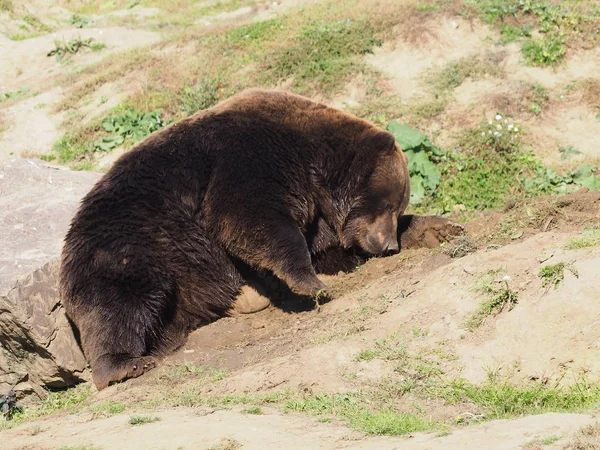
372,222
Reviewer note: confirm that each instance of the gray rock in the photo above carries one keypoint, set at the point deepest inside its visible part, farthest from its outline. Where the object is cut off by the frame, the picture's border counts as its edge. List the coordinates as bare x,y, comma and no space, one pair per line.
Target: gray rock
38,347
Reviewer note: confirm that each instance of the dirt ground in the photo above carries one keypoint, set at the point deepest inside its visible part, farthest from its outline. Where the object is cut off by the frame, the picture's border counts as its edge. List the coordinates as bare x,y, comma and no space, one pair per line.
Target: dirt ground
551,335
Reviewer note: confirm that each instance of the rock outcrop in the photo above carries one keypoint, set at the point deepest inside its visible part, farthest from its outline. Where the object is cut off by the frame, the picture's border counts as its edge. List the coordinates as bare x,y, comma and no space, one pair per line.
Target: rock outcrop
38,347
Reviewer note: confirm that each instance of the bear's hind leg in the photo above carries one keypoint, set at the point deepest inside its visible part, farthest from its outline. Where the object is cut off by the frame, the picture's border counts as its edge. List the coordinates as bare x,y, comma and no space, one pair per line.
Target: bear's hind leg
111,368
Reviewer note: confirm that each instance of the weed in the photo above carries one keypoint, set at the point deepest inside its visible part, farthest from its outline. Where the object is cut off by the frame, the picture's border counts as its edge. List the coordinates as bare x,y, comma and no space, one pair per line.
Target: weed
79,21
499,297
366,355
253,410
421,153
63,48
539,98
547,51
589,238
203,95
5,96
322,55
141,420
554,274
130,126
568,152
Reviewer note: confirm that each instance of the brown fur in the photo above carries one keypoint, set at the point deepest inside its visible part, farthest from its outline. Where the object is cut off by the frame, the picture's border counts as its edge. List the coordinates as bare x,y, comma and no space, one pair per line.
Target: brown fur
265,181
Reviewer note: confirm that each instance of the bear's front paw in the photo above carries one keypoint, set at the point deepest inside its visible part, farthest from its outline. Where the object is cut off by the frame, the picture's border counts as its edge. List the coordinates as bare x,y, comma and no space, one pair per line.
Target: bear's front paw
311,287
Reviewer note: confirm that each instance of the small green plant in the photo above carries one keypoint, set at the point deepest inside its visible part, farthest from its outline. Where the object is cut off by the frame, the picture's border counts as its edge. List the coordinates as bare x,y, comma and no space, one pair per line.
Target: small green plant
141,420
499,297
5,96
255,410
366,355
80,21
9,405
547,51
554,274
424,175
131,125
64,48
568,152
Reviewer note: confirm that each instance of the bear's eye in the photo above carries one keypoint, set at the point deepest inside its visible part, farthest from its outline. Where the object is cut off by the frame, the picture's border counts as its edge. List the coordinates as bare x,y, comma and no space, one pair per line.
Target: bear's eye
389,207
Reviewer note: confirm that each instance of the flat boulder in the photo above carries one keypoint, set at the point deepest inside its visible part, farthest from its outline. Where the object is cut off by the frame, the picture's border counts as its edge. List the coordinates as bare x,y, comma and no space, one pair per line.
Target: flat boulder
38,347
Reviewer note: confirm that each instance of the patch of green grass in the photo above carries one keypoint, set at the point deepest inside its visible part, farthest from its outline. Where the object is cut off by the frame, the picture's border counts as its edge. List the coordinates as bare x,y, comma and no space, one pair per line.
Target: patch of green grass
321,55
255,33
589,238
454,73
202,95
5,96
109,407
498,297
355,411
511,33
559,25
36,24
142,420
55,401
501,399
539,99
554,274
255,410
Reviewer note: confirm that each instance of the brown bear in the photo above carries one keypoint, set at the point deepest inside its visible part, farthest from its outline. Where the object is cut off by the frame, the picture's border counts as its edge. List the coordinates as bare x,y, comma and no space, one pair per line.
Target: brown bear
264,181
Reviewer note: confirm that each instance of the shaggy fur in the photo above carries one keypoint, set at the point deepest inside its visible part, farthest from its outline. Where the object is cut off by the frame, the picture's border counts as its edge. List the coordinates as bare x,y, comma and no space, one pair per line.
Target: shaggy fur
264,181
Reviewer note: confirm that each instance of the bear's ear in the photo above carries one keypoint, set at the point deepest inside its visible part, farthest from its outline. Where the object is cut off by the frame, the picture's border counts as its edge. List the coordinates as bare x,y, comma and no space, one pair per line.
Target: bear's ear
380,141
